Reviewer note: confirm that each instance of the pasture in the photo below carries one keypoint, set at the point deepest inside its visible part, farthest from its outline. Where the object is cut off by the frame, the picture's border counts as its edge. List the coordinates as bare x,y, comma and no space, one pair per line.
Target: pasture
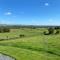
33,46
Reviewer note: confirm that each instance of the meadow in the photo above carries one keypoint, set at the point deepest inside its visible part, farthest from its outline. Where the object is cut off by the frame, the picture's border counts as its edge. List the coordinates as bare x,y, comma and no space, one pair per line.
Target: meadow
33,46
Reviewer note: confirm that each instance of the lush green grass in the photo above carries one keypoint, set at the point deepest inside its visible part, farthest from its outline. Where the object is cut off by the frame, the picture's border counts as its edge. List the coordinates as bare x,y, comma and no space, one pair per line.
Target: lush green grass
26,32
35,46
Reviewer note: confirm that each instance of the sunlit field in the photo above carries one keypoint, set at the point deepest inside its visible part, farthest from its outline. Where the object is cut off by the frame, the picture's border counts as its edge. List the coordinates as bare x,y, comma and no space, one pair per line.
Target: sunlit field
34,45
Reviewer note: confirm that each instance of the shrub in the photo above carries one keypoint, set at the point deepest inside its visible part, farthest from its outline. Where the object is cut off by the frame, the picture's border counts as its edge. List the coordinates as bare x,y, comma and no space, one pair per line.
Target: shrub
21,35
57,32
51,30
57,27
45,33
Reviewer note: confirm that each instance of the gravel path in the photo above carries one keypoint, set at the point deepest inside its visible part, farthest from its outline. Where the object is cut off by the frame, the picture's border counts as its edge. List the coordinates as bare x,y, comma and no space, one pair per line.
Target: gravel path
4,57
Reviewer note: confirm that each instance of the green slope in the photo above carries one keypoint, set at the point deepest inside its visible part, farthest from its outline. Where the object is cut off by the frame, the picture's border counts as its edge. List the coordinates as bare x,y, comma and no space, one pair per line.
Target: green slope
35,46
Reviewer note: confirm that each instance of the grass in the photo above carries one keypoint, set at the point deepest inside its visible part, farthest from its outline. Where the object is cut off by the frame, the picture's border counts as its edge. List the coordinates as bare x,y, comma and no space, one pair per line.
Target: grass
35,46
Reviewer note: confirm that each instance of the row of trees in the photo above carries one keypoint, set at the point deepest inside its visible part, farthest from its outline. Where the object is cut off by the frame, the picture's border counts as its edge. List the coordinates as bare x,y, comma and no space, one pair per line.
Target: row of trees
3,30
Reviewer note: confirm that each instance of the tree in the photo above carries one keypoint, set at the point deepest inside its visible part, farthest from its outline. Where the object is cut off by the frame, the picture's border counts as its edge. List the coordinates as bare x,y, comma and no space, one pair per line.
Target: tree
45,33
51,30
3,30
6,30
57,30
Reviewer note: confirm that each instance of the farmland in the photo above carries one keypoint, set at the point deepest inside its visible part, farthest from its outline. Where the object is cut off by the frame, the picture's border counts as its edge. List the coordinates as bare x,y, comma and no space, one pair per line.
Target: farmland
33,46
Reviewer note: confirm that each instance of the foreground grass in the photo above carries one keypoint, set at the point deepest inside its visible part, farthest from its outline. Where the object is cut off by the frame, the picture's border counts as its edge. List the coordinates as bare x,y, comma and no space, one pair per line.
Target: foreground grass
35,47
24,54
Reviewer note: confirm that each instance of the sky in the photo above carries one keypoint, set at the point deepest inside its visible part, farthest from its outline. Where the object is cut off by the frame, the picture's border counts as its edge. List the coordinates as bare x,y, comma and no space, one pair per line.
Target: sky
30,12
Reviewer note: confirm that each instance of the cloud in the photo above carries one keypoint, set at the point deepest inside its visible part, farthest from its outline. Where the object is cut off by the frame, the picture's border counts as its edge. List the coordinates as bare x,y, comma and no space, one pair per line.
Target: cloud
46,4
8,13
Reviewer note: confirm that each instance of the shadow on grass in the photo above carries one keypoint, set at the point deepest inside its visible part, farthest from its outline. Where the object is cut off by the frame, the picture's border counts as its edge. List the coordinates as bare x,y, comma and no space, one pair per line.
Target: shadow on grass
30,48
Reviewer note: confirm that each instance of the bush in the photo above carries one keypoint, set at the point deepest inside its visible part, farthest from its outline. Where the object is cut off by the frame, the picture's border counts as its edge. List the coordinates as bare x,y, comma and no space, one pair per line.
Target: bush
45,33
57,32
57,27
21,35
51,30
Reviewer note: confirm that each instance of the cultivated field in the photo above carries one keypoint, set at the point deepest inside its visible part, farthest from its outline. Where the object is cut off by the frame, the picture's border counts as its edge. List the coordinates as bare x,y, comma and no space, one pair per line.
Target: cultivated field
33,46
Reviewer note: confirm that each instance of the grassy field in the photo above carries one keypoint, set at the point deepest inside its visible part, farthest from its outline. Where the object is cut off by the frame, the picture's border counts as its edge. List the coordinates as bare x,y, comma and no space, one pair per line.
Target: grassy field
34,46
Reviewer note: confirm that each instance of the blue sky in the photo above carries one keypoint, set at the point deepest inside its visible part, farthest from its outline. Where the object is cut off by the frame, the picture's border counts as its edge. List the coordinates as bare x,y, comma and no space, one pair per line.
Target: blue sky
30,12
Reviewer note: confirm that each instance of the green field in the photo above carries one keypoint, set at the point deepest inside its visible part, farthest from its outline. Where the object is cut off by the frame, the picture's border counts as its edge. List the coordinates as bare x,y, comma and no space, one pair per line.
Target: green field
34,46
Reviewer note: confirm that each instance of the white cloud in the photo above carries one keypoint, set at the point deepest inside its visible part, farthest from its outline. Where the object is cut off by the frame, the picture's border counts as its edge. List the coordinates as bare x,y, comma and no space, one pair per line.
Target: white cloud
46,4
8,13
